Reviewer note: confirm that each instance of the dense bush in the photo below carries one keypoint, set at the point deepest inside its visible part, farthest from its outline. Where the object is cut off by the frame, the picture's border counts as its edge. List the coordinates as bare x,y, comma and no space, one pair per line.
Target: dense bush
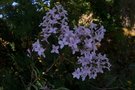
19,29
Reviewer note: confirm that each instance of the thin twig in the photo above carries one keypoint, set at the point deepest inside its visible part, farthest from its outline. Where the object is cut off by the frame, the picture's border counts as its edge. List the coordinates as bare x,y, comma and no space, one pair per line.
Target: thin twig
52,65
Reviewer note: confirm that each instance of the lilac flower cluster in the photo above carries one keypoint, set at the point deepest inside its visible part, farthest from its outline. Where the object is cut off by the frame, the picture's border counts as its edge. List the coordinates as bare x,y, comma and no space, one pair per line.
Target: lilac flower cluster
91,61
83,40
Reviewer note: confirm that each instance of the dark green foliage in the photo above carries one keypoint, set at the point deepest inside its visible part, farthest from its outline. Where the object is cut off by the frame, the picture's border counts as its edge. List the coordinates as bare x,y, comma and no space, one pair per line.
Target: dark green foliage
19,27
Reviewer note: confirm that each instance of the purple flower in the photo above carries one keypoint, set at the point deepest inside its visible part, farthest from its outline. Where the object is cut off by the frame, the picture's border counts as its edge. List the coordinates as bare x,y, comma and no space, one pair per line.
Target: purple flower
52,30
55,49
77,73
57,16
81,39
88,43
99,34
93,26
92,64
41,52
62,43
38,48
45,37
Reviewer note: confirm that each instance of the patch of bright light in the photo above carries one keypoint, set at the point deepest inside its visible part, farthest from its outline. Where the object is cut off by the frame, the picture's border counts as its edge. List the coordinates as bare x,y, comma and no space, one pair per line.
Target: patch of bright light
15,4
1,16
47,2
34,2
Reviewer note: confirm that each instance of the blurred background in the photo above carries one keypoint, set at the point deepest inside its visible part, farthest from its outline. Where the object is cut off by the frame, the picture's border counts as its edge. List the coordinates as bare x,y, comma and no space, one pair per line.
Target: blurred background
19,26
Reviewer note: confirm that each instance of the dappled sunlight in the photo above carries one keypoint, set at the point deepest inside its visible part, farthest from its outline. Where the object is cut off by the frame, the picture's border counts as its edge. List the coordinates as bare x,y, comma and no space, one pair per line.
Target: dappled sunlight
128,12
67,44
129,32
3,42
85,19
